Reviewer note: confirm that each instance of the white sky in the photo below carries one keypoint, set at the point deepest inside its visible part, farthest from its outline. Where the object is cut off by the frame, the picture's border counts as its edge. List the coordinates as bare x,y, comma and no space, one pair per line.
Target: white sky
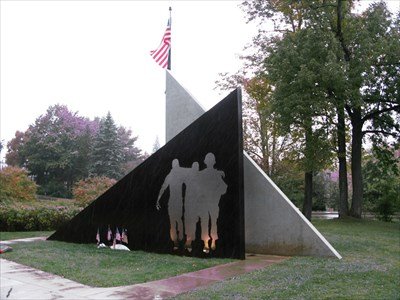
93,56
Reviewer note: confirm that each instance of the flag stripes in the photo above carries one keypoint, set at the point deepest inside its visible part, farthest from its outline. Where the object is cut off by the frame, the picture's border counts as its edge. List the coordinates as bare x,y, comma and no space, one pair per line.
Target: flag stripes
161,54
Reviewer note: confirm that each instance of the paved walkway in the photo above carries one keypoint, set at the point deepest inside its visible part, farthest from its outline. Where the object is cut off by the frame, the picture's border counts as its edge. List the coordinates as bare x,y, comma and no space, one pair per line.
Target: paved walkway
21,282
25,240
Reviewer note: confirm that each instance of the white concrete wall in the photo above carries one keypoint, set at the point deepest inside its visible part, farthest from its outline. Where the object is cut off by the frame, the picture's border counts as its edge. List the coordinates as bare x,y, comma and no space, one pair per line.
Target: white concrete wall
181,108
273,225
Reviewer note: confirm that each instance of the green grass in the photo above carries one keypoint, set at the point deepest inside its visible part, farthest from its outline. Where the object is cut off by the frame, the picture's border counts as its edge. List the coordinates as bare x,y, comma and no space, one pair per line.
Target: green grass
7,235
370,268
103,267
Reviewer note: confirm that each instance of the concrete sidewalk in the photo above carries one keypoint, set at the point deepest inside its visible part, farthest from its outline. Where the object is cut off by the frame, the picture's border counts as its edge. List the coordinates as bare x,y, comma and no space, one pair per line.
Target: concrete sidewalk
24,240
21,282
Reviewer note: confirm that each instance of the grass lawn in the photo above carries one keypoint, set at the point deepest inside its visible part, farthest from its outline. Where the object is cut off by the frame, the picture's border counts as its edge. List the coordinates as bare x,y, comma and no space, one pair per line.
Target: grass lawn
9,235
103,267
370,268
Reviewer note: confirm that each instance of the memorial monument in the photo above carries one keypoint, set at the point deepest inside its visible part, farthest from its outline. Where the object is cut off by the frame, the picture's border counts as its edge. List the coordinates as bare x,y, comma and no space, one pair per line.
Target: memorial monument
273,224
186,198
199,195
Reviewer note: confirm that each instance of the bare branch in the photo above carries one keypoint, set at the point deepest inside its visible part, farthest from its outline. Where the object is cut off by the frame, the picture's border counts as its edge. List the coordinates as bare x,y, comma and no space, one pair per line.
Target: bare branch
394,134
378,112
349,111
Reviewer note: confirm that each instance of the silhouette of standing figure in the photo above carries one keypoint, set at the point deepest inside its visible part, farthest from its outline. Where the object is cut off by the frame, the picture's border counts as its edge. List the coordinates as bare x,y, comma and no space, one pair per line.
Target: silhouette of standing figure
174,181
214,186
204,191
191,212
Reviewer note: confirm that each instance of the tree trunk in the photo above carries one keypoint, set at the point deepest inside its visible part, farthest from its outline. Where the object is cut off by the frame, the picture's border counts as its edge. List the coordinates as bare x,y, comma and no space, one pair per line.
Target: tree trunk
356,175
273,155
308,171
308,190
343,185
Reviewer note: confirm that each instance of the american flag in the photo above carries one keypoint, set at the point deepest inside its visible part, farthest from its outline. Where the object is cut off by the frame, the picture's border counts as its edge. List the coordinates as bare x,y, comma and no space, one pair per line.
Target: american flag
118,235
109,233
162,54
124,236
98,236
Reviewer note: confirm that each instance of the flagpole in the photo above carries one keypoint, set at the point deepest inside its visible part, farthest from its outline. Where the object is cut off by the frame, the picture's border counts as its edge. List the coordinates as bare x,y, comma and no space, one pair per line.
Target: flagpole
168,68
169,51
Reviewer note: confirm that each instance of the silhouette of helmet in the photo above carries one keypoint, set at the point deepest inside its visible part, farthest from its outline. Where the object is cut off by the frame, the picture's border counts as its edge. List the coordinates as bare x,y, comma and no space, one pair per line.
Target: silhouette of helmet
209,160
195,166
175,163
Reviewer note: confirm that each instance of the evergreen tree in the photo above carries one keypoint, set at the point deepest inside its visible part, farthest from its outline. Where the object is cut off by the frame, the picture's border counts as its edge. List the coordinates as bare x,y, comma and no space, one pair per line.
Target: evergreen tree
156,144
107,155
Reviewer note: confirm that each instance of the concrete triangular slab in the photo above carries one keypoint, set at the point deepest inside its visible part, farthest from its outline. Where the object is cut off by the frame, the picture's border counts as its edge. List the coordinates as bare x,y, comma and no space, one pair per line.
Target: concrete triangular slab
273,225
177,104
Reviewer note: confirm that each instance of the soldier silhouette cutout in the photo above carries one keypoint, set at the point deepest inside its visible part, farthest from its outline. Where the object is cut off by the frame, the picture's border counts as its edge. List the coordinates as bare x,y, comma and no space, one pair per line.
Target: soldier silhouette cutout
203,190
174,181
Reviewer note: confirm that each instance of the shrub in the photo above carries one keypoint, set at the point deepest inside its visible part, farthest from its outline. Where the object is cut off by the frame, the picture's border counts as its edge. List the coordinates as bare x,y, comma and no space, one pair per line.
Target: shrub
15,185
381,183
87,190
54,188
34,219
387,200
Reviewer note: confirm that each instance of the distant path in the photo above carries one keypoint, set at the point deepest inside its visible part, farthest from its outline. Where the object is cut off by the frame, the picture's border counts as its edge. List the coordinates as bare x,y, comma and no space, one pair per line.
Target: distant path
324,215
22,282
24,240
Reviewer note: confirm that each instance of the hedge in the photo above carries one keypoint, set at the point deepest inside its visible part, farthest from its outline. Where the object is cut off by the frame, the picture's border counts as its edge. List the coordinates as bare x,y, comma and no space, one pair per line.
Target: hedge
34,219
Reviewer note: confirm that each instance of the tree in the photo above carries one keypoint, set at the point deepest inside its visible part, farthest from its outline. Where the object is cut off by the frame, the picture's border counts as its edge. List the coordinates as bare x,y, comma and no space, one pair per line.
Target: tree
14,156
131,155
57,149
375,77
15,185
382,180
87,190
366,75
325,191
108,155
293,17
296,65
156,145
262,138
49,149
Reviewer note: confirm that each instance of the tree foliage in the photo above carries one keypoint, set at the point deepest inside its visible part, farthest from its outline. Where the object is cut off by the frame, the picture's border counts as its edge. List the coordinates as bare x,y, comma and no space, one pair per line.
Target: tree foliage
14,157
15,185
299,66
50,149
382,181
107,153
62,147
323,62
87,190
373,85
113,147
156,145
263,140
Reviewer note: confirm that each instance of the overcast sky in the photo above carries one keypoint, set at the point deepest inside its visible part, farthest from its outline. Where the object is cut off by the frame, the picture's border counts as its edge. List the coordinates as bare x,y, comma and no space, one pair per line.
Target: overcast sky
93,56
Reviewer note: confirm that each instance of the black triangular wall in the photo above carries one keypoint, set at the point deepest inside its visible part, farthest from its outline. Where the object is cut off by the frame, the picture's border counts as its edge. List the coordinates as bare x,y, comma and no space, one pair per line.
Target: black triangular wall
131,203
